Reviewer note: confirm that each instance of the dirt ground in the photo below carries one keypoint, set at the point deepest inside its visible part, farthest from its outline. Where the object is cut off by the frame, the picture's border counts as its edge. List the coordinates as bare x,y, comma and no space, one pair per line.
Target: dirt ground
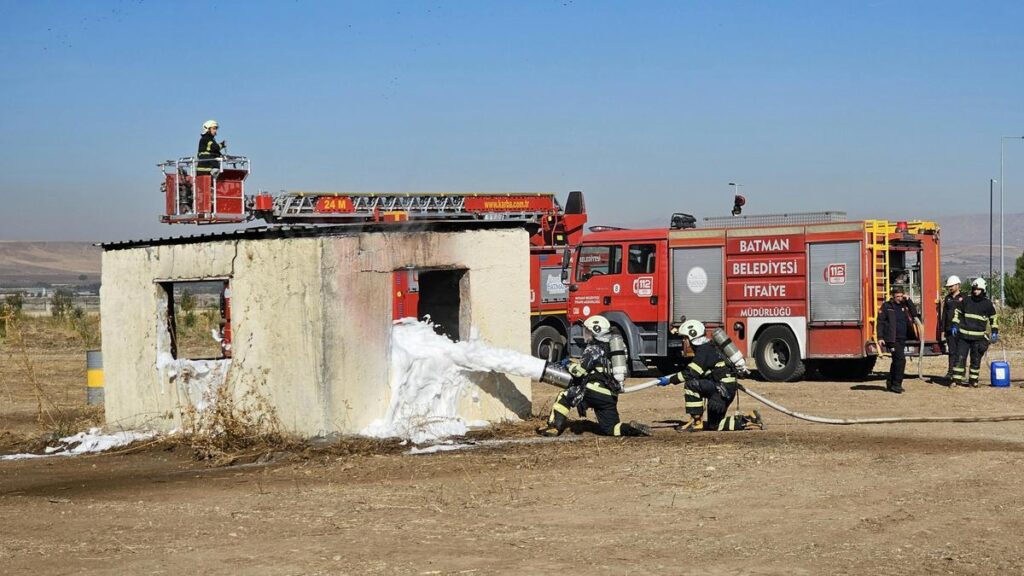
797,498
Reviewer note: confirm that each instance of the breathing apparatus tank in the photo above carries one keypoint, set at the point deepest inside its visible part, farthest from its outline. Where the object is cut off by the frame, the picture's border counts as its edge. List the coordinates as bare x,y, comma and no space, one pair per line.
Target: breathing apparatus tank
732,354
617,347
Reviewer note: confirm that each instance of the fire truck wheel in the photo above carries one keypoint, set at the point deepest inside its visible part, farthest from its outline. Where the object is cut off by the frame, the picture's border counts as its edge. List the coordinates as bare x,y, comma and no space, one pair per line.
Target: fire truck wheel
778,355
548,343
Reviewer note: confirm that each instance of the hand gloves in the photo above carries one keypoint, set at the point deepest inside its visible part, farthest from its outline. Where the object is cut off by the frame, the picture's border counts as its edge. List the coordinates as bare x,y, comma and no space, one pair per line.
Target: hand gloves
955,330
995,336
564,362
663,381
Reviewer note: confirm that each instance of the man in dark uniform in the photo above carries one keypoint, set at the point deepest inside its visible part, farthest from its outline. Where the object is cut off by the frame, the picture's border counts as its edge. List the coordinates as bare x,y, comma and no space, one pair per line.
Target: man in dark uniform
949,306
708,377
975,324
596,384
895,323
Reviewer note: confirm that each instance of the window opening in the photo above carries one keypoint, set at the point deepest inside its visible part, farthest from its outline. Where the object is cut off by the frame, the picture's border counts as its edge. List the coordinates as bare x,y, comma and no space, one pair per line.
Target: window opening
198,319
440,297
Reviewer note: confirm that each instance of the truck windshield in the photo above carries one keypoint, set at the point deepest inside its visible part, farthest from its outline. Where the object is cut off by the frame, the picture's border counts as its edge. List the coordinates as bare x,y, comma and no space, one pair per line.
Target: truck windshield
598,261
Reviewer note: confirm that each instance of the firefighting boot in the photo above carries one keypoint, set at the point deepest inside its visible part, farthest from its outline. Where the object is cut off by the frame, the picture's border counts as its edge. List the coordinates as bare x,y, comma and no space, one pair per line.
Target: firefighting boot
691,425
639,428
752,420
549,431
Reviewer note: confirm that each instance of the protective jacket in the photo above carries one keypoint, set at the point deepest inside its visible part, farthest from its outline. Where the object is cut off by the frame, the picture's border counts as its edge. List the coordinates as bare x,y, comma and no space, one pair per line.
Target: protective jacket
209,149
975,316
896,321
949,306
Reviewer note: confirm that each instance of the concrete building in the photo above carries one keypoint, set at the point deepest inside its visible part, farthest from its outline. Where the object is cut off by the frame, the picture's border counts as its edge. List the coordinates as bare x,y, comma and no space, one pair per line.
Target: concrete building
310,318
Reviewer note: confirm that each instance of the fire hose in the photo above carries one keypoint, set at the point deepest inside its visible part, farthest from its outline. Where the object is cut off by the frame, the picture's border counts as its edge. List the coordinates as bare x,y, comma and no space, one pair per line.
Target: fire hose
558,376
844,421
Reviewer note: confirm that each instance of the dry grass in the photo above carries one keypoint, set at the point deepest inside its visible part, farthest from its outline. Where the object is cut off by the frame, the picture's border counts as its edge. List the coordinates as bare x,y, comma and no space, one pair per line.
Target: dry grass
54,416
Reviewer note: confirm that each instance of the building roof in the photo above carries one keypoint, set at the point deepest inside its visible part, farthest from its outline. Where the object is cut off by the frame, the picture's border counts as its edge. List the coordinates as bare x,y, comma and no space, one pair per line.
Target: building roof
310,230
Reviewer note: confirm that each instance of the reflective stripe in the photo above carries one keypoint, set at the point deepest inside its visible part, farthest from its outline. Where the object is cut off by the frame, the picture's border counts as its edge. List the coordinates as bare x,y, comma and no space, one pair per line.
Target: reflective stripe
976,317
720,364
728,380
692,393
995,322
617,431
599,388
971,332
577,370
561,409
695,367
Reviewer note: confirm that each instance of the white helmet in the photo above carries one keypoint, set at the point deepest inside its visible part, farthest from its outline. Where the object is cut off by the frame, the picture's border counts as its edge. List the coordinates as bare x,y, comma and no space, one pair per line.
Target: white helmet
692,329
952,281
978,283
599,326
209,124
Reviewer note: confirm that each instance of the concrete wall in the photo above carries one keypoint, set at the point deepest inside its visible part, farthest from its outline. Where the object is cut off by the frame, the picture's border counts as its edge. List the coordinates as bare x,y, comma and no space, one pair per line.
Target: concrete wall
311,320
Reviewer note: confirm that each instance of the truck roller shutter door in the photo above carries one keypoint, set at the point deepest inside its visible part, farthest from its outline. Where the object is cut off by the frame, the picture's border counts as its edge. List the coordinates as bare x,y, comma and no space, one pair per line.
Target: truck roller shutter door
697,284
835,281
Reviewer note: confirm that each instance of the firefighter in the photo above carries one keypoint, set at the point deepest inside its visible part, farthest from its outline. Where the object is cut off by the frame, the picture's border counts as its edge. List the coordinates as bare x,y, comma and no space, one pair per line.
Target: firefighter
708,377
597,382
895,324
209,149
949,305
975,325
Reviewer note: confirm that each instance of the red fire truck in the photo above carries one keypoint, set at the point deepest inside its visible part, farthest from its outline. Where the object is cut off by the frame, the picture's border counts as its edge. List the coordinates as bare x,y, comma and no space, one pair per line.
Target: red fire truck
194,198
792,291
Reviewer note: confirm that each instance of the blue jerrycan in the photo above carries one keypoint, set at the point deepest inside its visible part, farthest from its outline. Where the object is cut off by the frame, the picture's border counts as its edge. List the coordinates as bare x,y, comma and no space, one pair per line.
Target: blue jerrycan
1000,373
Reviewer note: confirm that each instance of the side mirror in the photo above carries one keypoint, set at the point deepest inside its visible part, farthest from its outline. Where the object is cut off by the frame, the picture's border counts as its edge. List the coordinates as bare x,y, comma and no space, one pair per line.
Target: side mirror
565,275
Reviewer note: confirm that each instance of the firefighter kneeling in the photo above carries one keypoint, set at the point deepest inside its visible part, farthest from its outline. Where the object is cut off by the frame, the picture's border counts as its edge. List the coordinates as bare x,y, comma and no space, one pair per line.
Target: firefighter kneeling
596,384
709,377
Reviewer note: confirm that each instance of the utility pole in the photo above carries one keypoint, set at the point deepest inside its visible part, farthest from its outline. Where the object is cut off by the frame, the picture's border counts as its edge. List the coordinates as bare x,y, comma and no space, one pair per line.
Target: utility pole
991,187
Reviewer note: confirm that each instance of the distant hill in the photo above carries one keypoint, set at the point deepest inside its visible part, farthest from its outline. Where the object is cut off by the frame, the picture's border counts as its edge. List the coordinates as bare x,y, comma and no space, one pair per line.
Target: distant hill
25,264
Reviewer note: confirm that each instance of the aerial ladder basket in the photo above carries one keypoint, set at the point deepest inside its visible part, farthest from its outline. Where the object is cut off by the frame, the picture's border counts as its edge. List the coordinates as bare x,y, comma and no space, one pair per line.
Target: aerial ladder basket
209,191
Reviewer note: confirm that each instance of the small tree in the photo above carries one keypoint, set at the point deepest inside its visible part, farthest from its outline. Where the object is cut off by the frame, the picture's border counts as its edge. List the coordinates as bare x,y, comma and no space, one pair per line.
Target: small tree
1015,286
15,302
61,304
188,307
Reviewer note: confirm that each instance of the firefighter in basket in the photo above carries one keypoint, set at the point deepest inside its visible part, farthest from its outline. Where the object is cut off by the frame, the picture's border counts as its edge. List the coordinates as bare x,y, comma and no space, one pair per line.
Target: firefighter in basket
710,378
596,384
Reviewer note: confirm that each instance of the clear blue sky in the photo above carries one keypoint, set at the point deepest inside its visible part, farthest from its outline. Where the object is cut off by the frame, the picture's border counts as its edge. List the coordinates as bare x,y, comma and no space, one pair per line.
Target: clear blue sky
877,108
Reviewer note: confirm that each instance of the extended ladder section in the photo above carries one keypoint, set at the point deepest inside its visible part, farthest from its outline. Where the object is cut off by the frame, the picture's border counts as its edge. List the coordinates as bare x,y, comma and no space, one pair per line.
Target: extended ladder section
341,208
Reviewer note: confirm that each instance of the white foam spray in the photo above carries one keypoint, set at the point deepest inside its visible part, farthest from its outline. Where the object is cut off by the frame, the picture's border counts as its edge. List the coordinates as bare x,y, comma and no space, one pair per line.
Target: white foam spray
430,373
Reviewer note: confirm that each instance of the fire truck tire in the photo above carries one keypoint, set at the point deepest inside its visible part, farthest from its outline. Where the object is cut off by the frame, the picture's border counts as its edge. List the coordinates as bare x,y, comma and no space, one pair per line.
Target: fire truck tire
777,355
547,343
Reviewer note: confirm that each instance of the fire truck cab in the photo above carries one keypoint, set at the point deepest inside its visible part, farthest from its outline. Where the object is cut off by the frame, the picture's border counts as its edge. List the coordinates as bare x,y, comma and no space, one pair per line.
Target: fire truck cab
792,296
